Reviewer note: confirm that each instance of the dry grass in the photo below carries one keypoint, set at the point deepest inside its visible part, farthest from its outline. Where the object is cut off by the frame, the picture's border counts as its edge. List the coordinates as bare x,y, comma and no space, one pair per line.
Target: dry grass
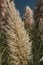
17,38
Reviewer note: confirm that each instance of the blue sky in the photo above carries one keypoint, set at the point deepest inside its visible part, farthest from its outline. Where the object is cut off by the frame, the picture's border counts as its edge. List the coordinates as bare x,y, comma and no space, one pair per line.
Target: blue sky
20,5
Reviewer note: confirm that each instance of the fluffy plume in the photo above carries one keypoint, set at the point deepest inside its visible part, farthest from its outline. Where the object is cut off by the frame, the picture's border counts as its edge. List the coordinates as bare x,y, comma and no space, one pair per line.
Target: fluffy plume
28,17
18,47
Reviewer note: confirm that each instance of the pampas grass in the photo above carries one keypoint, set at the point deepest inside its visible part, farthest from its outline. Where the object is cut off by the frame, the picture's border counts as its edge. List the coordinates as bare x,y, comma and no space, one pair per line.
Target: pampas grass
17,48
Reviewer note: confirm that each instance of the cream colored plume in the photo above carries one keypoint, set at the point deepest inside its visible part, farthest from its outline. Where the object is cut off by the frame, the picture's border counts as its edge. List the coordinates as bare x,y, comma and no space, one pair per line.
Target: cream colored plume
28,17
17,38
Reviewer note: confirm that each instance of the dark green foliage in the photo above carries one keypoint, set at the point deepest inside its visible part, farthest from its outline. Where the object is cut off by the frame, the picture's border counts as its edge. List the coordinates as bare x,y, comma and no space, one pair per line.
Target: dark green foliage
3,48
